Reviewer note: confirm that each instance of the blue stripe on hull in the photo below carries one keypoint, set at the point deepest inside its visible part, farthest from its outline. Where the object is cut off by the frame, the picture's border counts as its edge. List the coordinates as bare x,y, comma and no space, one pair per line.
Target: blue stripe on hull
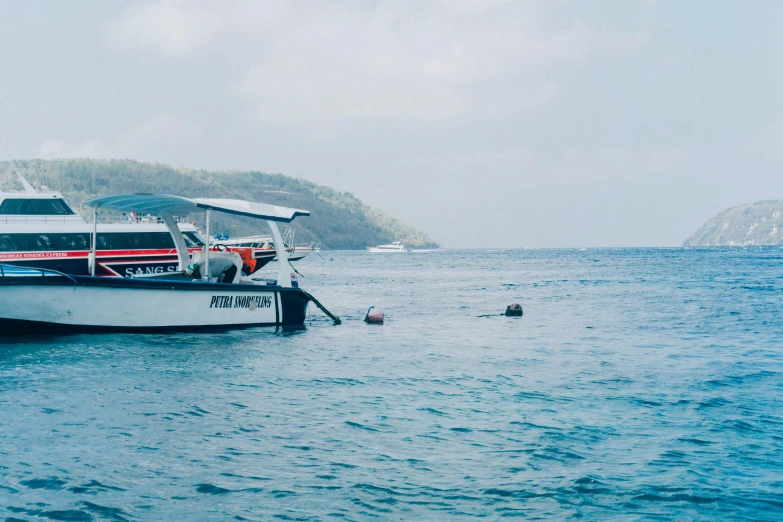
15,327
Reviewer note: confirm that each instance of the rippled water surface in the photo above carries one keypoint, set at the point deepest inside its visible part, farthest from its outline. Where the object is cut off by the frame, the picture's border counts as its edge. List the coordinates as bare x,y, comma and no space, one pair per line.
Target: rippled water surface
640,384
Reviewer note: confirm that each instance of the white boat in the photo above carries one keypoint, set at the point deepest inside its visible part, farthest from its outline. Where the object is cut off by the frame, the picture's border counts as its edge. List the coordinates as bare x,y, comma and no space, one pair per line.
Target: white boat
302,250
41,230
264,248
392,248
297,251
209,292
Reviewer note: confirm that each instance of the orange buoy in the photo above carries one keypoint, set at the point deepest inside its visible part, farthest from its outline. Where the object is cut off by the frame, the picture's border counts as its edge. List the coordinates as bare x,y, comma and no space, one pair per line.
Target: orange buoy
374,315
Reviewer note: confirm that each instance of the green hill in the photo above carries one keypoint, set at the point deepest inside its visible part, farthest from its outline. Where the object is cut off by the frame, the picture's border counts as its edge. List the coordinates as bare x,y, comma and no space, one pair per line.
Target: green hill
757,223
338,219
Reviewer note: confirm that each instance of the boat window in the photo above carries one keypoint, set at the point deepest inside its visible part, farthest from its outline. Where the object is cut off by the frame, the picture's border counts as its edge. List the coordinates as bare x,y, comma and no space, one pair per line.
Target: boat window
107,241
43,243
36,242
135,241
130,241
76,242
116,241
22,241
58,241
163,240
103,243
192,240
188,241
7,244
38,207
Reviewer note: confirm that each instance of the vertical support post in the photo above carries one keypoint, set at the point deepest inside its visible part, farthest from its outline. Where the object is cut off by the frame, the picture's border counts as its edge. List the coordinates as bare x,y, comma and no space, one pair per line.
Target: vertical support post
93,242
183,255
284,268
206,276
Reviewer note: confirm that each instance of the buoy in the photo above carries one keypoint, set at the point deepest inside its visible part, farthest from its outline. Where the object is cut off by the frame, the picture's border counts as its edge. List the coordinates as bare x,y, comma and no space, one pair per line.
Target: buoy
374,315
514,310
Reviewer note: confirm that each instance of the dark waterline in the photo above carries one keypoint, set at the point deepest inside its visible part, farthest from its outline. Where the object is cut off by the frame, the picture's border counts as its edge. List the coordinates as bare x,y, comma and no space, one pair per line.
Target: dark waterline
640,384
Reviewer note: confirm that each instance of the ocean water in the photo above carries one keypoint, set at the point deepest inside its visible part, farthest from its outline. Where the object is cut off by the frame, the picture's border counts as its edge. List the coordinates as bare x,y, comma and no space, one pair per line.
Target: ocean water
641,384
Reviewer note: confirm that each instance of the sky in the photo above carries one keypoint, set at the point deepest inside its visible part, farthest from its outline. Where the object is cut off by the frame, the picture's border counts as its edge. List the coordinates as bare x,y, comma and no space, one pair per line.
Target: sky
495,123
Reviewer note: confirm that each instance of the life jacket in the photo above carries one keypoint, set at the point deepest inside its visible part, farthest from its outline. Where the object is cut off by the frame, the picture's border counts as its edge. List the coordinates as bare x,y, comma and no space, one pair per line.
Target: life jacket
248,260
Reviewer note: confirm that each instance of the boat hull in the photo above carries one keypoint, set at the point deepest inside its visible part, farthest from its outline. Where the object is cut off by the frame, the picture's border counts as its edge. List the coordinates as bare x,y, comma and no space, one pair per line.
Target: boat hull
299,253
35,305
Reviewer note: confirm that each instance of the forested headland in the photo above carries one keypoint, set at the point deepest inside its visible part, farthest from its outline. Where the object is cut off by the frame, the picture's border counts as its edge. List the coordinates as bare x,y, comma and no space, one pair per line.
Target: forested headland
338,220
759,223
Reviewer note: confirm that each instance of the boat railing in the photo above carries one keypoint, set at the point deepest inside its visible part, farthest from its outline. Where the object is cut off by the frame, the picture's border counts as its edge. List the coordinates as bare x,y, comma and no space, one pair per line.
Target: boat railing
118,220
257,241
265,241
33,220
145,219
28,271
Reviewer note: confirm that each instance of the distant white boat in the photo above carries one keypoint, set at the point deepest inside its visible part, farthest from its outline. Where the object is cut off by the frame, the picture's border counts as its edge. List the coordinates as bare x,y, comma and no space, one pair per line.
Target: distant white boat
393,248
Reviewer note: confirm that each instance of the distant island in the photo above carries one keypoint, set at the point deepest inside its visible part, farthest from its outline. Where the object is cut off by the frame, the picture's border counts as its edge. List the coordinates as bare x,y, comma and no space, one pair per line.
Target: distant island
757,223
338,219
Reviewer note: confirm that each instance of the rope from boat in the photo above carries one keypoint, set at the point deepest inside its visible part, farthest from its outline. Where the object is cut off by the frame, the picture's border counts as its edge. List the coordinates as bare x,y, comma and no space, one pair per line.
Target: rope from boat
333,317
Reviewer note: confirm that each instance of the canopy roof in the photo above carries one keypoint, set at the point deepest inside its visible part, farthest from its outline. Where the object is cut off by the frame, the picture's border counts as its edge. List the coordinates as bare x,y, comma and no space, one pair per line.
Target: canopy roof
160,203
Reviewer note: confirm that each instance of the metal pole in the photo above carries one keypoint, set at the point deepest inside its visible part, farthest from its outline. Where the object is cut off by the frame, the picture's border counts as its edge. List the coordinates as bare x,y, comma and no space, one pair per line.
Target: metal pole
284,268
94,241
183,255
205,275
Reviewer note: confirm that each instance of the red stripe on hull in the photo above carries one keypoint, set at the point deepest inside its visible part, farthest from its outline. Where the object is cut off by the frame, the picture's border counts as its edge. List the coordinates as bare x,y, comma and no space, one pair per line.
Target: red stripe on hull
84,254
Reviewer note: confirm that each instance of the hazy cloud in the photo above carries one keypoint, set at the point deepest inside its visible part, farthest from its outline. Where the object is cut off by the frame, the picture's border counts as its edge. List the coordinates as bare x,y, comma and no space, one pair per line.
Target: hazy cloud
768,142
508,168
168,26
57,148
424,61
147,140
606,164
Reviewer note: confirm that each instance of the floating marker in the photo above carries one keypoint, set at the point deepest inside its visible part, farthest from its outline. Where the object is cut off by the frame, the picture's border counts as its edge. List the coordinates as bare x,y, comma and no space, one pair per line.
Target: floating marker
374,315
514,310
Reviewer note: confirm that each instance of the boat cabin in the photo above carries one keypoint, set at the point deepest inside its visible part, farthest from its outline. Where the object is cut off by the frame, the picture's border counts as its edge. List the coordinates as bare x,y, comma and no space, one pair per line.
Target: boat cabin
21,207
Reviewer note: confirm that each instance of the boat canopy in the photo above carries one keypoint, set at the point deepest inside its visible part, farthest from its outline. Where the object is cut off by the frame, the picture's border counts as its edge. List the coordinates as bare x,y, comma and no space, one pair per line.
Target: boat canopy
163,203
167,206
